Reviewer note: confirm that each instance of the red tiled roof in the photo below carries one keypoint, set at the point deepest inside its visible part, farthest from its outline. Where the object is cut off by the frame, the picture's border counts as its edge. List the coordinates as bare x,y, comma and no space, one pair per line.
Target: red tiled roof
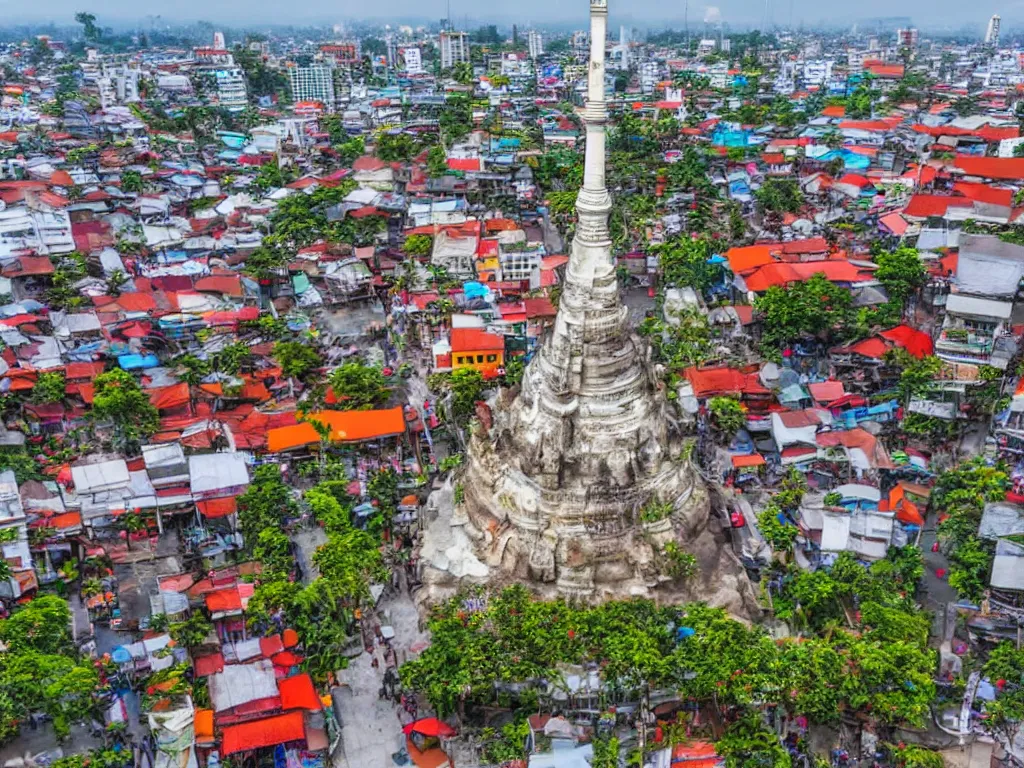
1010,168
810,245
985,193
297,692
923,206
464,163
917,343
266,732
224,600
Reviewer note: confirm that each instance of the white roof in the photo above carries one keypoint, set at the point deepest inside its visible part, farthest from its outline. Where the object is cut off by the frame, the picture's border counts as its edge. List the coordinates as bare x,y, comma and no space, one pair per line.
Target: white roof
214,471
958,304
1008,566
241,683
104,476
163,454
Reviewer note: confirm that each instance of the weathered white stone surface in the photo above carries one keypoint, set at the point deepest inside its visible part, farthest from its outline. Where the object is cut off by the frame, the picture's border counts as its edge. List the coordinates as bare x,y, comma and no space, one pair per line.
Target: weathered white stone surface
553,491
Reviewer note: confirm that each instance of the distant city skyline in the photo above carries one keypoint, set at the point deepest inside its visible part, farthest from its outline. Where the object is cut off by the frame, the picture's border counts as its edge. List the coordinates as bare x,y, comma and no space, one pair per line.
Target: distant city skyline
642,13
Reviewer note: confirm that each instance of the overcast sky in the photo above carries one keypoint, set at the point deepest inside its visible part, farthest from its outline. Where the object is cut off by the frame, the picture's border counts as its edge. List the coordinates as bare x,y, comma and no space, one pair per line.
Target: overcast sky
240,13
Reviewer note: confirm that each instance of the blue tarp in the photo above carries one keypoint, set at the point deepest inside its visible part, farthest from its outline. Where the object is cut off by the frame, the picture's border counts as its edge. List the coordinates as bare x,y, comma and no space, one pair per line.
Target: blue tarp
475,290
133,362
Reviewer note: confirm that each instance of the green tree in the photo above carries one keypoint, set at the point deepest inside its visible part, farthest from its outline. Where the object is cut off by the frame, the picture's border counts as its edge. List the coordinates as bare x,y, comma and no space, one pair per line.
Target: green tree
748,742
776,528
779,195
120,401
970,564
90,30
49,387
131,181
191,632
297,359
266,503
901,272
395,147
418,245
727,415
358,387
43,625
814,307
684,262
437,162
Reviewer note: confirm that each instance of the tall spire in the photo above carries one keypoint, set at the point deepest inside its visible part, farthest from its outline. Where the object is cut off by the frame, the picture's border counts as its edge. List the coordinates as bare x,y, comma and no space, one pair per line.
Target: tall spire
553,488
592,247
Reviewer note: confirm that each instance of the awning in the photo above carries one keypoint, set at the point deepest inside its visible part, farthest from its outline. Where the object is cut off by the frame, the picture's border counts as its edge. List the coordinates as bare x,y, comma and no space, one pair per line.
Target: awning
213,508
268,732
753,460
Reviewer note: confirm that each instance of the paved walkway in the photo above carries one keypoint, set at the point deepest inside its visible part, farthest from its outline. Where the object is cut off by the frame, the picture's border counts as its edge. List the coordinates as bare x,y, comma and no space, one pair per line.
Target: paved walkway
371,728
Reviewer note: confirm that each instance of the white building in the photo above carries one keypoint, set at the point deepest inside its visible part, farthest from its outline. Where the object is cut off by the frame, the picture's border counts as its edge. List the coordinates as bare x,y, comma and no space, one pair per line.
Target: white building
536,43
454,48
15,552
413,58
817,71
313,83
992,32
231,88
649,76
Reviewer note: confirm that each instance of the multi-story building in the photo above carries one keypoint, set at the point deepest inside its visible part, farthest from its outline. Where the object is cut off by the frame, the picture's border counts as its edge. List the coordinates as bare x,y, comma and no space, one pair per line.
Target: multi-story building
535,41
817,71
413,58
342,54
232,92
313,83
580,44
454,48
15,551
906,38
992,31
223,81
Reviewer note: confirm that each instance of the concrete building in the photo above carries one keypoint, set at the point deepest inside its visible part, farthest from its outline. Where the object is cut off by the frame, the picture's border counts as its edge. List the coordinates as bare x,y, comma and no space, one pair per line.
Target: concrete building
535,40
992,32
454,48
413,58
313,83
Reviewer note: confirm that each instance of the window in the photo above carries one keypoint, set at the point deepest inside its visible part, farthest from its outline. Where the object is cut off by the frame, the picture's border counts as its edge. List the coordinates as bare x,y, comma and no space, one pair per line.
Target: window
491,358
460,359
479,358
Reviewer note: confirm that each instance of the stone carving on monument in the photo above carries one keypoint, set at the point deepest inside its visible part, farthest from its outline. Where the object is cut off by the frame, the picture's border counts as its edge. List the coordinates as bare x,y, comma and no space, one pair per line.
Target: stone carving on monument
553,491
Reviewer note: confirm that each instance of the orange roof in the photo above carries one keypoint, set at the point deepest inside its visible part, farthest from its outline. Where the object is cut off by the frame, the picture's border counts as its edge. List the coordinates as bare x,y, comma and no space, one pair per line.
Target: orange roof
61,178
203,724
834,111
224,600
695,754
765,277
475,340
229,285
346,427
749,258
267,732
222,507
886,70
753,460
